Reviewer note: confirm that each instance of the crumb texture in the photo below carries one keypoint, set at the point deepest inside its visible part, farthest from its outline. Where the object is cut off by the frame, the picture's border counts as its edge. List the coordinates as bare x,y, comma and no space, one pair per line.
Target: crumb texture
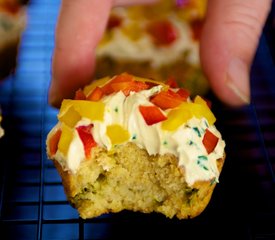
127,178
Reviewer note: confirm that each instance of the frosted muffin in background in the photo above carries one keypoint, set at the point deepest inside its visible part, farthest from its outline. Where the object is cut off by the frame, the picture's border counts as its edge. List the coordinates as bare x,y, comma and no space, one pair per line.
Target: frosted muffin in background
13,18
1,129
158,41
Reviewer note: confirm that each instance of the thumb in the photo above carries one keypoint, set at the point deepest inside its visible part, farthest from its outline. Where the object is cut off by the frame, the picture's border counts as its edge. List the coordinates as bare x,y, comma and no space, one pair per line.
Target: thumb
228,44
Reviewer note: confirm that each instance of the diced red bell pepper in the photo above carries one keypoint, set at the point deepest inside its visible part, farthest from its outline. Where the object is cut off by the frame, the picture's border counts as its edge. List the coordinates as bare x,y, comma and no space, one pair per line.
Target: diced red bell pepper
172,83
151,114
125,83
79,95
127,87
163,32
53,142
107,89
209,141
11,6
121,78
168,99
183,93
196,26
87,138
114,21
208,102
96,94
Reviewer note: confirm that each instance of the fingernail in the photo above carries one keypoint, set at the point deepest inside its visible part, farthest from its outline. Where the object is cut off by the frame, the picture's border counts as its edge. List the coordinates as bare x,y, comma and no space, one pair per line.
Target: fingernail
238,80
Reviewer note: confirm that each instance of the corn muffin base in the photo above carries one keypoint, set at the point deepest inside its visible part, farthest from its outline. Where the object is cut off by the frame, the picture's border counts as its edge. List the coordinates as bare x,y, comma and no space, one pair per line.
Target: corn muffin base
127,178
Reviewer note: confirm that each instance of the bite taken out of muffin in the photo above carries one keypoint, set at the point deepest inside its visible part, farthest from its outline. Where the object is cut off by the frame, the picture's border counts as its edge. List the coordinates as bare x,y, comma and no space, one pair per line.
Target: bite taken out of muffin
131,143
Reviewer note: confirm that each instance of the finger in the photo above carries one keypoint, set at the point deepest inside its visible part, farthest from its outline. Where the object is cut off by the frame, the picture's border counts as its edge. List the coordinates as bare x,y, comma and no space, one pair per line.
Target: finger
133,2
80,26
228,44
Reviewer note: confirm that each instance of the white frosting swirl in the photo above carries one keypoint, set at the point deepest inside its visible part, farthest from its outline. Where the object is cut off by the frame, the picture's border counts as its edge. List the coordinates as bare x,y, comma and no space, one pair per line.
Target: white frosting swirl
185,143
144,49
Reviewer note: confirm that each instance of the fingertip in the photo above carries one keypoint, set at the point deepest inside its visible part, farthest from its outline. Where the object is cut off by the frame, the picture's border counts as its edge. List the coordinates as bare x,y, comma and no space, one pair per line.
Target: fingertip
70,74
228,44
228,75
54,98
80,27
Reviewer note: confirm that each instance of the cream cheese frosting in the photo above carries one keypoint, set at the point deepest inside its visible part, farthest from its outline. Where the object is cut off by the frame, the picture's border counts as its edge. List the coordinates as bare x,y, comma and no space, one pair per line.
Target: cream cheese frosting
144,49
185,142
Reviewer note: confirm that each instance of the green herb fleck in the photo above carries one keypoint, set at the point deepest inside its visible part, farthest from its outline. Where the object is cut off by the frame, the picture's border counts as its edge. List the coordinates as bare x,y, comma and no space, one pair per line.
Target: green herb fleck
116,109
202,165
197,131
165,142
134,137
202,157
206,123
190,142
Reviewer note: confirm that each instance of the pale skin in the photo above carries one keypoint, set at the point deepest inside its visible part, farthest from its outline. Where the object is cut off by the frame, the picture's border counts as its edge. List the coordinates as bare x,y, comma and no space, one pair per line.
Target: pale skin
229,40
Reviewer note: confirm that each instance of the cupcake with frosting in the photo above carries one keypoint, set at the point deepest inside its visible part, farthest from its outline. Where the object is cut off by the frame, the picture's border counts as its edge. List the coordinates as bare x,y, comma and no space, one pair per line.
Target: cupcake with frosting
131,143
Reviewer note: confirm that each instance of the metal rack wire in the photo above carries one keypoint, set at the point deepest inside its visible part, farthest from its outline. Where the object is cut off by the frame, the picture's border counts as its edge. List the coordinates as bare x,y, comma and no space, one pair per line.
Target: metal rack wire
32,201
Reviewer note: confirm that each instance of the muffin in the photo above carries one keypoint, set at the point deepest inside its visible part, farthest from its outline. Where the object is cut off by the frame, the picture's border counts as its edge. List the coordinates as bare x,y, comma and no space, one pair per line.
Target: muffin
1,129
13,19
157,41
136,144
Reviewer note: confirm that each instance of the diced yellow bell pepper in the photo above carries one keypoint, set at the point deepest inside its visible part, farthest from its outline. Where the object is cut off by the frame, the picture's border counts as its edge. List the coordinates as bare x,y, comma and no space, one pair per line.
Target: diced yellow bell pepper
65,139
200,7
186,111
65,105
70,117
132,31
135,13
106,38
175,118
199,111
117,134
195,9
200,100
204,110
87,109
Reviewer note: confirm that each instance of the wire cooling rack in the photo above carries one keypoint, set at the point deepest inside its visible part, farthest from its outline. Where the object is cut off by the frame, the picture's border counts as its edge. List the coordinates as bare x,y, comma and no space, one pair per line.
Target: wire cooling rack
32,201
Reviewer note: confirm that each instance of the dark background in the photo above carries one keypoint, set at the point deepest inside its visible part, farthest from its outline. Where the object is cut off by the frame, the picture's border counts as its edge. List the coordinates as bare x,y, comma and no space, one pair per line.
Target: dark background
32,201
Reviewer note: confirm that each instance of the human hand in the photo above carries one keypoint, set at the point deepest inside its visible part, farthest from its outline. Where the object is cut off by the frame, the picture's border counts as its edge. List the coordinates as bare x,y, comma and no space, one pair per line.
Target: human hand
228,44
229,41
80,26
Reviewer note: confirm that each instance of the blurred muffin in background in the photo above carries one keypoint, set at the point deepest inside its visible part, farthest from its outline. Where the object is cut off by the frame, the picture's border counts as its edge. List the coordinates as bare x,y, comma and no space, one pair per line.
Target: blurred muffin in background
159,41
13,20
1,129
